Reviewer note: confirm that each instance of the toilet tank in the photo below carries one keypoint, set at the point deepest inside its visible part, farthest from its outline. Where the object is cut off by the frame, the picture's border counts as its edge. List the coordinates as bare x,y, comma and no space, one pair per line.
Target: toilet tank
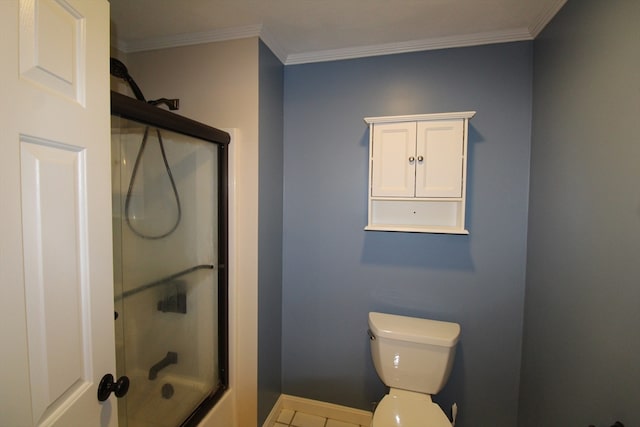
413,354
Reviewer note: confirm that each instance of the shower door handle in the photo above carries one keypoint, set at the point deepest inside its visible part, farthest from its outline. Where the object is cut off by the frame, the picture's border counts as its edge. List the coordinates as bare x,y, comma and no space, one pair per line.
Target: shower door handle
106,386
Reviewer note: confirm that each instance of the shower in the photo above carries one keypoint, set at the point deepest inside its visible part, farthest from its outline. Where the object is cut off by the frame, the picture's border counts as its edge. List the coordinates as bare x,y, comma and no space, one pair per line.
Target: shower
118,69
169,180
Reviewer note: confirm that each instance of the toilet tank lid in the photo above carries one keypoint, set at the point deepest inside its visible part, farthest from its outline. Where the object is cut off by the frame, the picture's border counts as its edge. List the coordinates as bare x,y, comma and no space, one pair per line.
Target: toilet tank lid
413,329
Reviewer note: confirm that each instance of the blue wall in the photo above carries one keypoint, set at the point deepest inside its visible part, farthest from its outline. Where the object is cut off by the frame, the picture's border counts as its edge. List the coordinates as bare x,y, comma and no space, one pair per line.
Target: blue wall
270,133
582,334
334,273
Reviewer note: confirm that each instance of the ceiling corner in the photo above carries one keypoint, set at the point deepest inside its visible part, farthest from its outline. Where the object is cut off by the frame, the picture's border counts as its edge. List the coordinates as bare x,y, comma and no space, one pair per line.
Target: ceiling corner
272,42
545,17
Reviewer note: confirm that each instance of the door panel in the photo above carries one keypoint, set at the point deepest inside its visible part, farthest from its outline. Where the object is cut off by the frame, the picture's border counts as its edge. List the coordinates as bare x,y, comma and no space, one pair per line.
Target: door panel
56,293
52,46
57,305
393,171
439,159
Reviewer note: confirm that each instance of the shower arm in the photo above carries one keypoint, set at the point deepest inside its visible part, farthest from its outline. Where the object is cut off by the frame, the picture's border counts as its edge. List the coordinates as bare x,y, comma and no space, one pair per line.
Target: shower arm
172,104
119,70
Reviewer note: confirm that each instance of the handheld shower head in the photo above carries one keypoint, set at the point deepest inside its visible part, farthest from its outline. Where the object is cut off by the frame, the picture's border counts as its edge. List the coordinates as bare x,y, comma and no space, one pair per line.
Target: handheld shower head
119,70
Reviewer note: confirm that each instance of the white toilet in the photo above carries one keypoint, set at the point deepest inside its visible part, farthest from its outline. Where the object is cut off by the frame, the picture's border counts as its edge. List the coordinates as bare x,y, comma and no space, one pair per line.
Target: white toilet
414,358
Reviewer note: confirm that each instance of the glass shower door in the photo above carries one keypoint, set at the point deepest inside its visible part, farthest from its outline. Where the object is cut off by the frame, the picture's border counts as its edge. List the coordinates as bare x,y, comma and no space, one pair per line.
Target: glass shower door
166,262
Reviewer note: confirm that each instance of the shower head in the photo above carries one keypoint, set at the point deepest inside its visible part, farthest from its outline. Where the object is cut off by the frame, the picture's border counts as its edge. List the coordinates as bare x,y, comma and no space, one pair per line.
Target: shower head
119,70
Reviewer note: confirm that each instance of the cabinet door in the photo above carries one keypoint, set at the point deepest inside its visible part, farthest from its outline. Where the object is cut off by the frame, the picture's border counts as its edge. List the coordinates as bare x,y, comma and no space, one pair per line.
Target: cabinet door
393,160
439,159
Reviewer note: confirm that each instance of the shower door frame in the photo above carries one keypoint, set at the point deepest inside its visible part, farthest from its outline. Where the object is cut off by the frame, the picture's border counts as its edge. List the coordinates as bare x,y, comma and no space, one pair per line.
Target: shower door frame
140,111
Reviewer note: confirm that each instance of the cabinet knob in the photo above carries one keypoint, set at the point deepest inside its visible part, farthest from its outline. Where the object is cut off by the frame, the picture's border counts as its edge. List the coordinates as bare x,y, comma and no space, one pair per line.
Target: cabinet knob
411,159
420,158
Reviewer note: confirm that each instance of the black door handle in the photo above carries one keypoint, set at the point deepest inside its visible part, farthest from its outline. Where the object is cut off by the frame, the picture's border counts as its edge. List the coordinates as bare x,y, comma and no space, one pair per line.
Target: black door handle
106,386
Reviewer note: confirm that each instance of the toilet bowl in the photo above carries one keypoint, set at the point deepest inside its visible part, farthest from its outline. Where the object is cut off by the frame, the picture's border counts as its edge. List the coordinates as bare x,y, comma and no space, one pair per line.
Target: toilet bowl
414,358
402,408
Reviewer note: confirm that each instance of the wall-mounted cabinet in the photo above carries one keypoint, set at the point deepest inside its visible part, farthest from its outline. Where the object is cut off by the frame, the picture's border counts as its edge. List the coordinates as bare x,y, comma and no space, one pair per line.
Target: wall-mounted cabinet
418,172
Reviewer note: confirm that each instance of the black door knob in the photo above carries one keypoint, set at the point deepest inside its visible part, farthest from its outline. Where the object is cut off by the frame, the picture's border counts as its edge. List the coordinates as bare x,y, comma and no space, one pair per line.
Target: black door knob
106,386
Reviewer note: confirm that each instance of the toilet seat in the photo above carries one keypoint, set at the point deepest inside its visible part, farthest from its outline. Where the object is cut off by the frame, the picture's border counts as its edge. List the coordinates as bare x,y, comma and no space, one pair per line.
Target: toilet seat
408,409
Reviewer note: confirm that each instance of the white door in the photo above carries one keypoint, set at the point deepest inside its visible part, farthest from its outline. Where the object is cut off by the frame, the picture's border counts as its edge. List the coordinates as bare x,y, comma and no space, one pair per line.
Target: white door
56,298
439,158
393,159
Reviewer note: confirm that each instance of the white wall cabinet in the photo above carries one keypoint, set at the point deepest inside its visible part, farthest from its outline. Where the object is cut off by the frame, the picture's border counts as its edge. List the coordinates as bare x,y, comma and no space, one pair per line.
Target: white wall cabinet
417,172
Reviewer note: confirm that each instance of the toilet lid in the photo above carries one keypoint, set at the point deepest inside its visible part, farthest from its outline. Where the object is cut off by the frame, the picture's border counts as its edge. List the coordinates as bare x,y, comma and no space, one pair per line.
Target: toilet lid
395,411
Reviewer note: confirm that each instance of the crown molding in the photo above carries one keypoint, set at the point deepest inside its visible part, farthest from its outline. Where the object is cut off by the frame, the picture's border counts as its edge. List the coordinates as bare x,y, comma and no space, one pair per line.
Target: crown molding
410,46
518,34
163,42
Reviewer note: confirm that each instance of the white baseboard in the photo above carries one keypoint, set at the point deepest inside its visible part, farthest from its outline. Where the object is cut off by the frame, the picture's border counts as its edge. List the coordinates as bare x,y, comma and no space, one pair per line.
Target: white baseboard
273,415
315,407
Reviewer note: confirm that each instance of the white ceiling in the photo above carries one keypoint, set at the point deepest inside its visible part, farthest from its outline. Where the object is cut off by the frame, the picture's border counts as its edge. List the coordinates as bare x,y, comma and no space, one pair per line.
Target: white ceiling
300,31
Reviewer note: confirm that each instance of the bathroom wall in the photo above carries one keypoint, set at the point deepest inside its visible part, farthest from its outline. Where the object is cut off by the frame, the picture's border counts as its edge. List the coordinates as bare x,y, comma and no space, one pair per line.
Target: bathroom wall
581,340
335,273
217,84
270,107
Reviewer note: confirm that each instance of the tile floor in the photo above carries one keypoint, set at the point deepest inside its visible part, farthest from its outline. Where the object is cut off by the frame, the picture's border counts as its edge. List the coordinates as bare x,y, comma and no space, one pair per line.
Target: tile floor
291,418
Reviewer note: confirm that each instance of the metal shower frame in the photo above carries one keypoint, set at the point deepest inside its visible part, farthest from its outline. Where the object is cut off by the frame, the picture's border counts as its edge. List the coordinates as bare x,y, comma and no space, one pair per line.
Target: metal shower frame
148,114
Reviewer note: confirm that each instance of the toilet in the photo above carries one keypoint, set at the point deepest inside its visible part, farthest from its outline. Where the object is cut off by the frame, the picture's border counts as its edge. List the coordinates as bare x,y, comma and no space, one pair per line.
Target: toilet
413,357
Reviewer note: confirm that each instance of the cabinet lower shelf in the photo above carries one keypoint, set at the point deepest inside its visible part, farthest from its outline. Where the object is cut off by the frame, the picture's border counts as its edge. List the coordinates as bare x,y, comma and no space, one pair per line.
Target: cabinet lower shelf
408,229
417,215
